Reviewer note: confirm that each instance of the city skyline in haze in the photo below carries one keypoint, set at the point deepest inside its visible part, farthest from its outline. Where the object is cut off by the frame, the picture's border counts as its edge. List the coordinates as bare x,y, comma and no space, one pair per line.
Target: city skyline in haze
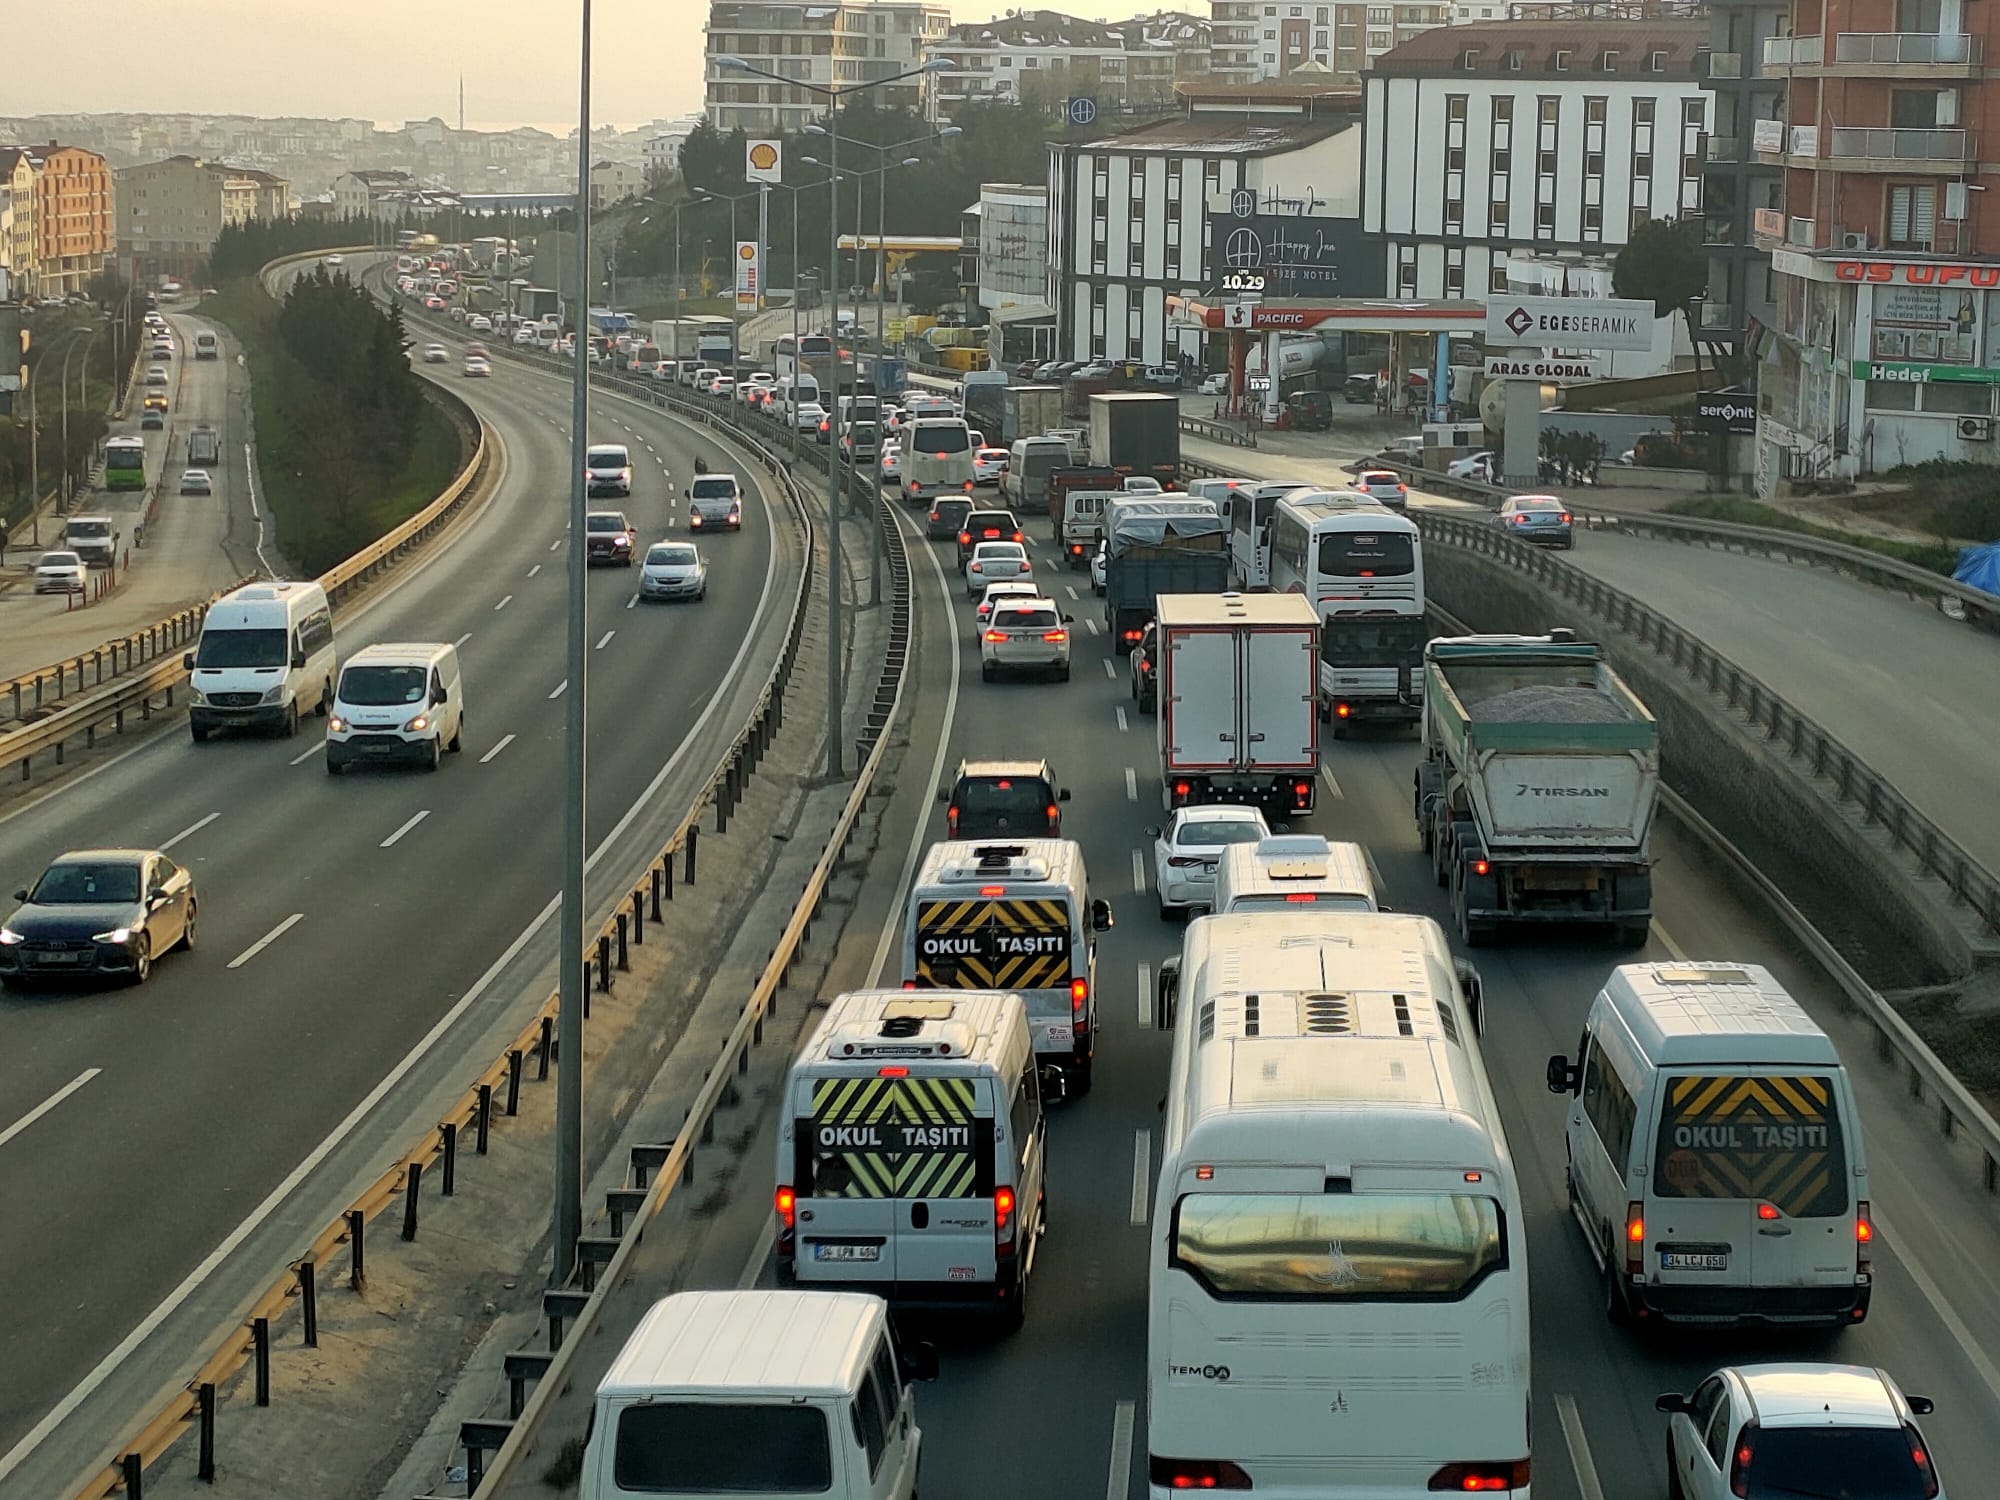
386,61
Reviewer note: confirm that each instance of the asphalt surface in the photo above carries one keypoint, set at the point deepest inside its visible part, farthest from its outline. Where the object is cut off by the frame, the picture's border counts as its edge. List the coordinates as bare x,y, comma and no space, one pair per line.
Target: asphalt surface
386,928
1065,1398
195,545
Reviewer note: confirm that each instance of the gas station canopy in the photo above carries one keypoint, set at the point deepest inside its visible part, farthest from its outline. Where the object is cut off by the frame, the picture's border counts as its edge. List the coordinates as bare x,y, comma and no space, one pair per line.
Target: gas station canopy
1329,315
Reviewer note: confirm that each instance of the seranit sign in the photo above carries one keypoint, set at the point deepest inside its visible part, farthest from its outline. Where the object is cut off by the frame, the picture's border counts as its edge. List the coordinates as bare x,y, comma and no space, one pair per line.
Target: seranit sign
1915,273
1545,367
1570,323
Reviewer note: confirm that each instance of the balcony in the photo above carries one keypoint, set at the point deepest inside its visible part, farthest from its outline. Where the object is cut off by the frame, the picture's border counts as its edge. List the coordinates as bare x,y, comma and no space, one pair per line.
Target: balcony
1886,149
1906,54
1783,54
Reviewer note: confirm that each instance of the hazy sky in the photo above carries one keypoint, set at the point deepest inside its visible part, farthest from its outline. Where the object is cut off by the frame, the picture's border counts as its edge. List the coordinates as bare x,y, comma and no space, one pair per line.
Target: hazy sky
392,60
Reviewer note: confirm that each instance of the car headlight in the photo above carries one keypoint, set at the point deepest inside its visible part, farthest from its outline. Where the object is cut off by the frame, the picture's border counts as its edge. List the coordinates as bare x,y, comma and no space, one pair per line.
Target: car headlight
336,725
115,935
9,937
420,722
274,695
621,541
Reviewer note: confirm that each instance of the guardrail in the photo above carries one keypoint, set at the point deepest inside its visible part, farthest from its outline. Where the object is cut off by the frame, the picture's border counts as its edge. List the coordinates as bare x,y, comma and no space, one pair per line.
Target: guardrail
194,1405
1219,432
1895,1039
1852,779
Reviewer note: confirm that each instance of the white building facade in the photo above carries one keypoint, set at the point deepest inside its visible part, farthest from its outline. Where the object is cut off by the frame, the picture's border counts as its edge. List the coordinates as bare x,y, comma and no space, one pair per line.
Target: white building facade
834,44
1257,40
1528,143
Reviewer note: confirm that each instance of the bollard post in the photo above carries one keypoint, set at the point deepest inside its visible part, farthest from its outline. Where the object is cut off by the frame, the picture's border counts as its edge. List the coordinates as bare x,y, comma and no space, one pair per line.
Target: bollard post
260,1352
309,1302
205,1402
667,865
413,1185
450,1132
357,1263
485,1116
654,872
624,931
694,836
604,961
639,918
134,1470
543,1048
514,1061
586,986
722,804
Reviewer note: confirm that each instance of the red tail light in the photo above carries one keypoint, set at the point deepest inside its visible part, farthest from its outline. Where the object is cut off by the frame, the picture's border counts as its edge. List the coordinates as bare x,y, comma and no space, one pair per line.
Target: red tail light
1181,861
1018,537
1635,1239
1739,1462
1302,791
996,635
1768,1211
1341,710
1053,636
1565,518
1055,815
934,515
1480,867
1003,1211
965,539
1079,996
1922,1459
968,483
951,817
1133,635
787,1202
1182,788
1481,1478
1196,1474
1864,1235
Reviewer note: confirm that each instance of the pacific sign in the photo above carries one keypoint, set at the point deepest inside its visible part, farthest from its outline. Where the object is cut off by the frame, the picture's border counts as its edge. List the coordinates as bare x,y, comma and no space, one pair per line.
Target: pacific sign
1569,323
1545,367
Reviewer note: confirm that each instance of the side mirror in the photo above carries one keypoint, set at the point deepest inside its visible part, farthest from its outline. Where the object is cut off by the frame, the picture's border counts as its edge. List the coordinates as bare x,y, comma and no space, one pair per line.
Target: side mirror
920,1361
1921,1406
155,900
1100,916
1152,830
1069,619
1063,795
1054,1082
187,660
1673,1402
438,695
1166,994
21,894
1563,1077
298,661
1383,906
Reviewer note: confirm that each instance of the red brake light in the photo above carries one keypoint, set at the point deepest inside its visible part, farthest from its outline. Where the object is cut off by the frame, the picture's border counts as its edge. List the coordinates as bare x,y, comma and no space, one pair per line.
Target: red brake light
996,635
1341,710
1635,1238
992,890
1133,635
964,538
1922,1460
1864,1234
1480,867
1181,788
1481,1478
1055,635
892,1072
787,1203
1003,1209
1054,813
1004,784
1767,1211
1196,1474
1079,995
1739,1463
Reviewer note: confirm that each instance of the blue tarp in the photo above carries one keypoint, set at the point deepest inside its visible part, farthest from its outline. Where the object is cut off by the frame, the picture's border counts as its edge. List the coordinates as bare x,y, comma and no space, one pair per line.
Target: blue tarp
1979,568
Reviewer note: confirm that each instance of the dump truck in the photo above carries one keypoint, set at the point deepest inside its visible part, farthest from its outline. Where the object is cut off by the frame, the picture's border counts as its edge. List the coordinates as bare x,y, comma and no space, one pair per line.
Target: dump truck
1137,433
1238,701
1537,786
1159,545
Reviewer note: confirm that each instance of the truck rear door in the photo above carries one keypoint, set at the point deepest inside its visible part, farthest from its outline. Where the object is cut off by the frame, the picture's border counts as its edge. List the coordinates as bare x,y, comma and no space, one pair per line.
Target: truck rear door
1589,797
1200,709
1280,676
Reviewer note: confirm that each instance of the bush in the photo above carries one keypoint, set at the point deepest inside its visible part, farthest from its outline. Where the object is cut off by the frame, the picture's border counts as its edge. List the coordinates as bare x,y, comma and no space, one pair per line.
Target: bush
1938,559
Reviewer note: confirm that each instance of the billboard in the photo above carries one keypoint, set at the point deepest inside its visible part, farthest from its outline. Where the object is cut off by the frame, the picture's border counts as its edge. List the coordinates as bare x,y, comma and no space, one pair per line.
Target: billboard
1569,323
1298,255
749,272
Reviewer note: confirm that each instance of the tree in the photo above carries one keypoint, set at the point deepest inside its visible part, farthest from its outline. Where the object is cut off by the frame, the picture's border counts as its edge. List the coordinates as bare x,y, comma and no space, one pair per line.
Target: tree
1663,263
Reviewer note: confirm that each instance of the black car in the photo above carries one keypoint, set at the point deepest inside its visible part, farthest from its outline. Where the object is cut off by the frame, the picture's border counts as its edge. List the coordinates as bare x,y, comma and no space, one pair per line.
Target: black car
1358,390
609,538
98,912
1003,799
987,526
947,517
1145,686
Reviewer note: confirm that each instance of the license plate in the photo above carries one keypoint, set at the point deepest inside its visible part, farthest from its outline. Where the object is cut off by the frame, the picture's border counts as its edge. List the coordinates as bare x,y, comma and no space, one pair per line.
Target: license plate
58,958
1681,1261
1061,1035
847,1252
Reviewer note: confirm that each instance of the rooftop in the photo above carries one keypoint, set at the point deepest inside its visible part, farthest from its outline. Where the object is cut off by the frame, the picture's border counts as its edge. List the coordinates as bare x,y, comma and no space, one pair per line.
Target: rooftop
1221,133
1514,48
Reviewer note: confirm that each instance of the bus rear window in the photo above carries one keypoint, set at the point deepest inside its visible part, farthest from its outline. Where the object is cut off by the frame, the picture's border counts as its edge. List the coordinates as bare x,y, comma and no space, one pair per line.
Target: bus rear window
1367,554
712,1448
1338,1246
1766,1136
940,438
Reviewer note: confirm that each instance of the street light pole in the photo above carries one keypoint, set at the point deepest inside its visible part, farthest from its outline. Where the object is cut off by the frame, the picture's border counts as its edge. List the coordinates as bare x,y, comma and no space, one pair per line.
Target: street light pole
568,1226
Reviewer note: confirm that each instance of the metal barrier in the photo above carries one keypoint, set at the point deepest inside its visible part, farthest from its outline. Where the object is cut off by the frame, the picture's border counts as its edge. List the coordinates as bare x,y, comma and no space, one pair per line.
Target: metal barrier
1219,432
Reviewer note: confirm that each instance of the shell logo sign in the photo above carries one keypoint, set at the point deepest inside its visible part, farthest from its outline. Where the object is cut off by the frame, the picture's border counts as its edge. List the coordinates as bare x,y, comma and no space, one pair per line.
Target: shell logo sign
764,161
749,271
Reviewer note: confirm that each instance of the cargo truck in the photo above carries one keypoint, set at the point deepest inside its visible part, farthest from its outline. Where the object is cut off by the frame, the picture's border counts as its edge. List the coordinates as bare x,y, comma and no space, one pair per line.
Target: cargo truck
204,448
1537,786
1137,432
1238,683
984,394
1059,479
1159,545
1028,411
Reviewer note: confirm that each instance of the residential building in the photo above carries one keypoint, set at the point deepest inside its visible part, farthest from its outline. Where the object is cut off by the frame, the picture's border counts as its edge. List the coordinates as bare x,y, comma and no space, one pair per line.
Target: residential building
614,182
356,193
834,44
664,139
1044,57
171,212
1009,274
17,190
1528,141
1887,260
1256,39
73,230
1131,216
1740,190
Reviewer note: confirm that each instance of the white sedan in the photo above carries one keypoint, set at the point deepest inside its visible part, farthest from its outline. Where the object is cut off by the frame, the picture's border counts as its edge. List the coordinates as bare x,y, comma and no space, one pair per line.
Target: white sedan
988,464
436,354
723,386
479,323
196,482
892,460
994,562
1472,466
1187,850
61,573
1142,484
1100,561
807,415
477,367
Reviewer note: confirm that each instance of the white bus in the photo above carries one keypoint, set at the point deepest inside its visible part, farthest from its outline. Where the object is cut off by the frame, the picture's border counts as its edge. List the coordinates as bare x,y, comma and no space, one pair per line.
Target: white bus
1337,1298
1249,507
1363,568
813,351
937,458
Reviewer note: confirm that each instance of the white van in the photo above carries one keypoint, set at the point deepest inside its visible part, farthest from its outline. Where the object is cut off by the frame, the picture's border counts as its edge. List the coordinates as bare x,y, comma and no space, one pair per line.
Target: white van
1293,871
1017,916
1083,524
912,1151
266,650
205,345
607,469
1715,1153
397,702
776,1393
715,501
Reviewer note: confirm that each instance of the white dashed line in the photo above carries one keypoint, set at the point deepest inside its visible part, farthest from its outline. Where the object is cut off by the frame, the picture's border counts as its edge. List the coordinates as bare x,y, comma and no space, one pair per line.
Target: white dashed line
560,688
1070,589
461,640
397,837
1667,942
1131,785
1119,1485
505,741
509,599
1124,724
1138,869
605,639
1142,1190
308,753
632,601
1091,626
266,940
534,570
1579,1447
1145,997
1332,787
1110,669
192,828
48,1104
555,544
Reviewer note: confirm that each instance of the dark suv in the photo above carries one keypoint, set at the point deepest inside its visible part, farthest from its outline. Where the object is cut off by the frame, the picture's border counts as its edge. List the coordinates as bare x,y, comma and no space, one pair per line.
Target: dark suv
1003,799
987,526
947,517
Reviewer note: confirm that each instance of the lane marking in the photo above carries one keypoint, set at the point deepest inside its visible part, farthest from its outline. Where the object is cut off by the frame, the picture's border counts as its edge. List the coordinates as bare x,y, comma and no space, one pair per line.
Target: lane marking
194,828
397,837
754,1266
560,688
1579,1447
605,639
1139,870
48,1104
1123,724
308,753
555,544
1145,997
1968,1345
461,640
629,603
1667,942
1110,670
1091,626
1119,1484
534,570
509,599
1142,1156
266,940
1131,785
505,741
1332,787
1070,589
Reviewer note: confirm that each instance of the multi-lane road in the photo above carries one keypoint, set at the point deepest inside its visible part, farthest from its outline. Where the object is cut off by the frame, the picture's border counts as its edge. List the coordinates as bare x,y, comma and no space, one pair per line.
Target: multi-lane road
361,941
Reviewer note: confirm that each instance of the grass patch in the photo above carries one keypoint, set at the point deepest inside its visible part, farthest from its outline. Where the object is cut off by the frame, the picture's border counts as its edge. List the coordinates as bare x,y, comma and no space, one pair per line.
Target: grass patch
285,398
1938,557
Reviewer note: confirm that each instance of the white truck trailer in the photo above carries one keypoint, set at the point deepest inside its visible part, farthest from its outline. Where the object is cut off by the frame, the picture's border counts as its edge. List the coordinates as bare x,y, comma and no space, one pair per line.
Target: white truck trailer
1536,791
1238,689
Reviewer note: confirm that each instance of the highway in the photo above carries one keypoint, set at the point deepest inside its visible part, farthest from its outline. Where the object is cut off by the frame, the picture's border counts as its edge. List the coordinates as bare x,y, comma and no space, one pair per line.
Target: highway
364,943
196,545
1067,1395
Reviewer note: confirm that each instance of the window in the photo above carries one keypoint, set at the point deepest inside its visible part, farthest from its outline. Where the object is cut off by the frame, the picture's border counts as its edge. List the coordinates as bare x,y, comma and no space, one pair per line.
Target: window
1608,63
1545,221
1454,159
1496,279
1642,111
1912,215
871,1423
1594,109
1432,1247
1593,221
1514,61
1608,1106
1657,63
1548,109
1914,109
1562,60
1454,106
740,1450
1593,163
1026,1112
1469,59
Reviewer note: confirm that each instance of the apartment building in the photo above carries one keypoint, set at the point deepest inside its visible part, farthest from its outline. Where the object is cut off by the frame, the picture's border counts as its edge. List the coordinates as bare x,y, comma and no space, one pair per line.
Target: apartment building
73,228
613,182
1886,254
1257,39
170,213
1045,57
1739,189
1497,145
356,194
17,219
835,44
